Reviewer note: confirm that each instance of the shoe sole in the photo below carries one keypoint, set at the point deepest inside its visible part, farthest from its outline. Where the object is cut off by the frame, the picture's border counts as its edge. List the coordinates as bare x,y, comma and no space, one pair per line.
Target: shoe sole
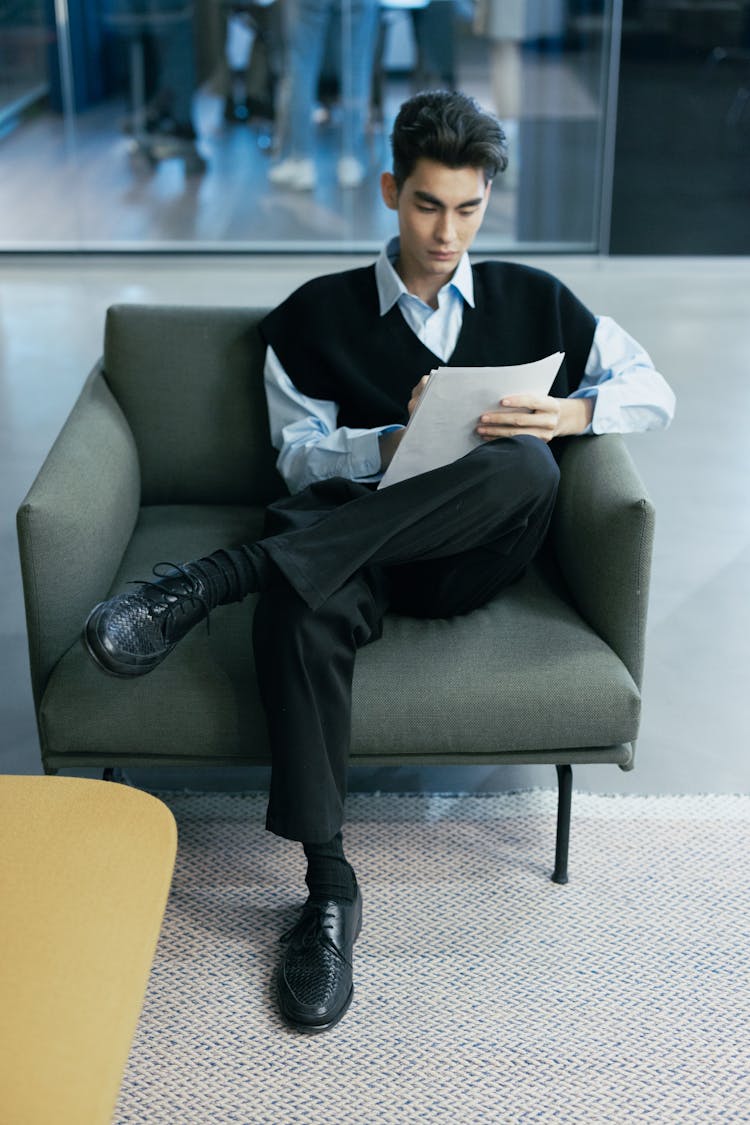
100,654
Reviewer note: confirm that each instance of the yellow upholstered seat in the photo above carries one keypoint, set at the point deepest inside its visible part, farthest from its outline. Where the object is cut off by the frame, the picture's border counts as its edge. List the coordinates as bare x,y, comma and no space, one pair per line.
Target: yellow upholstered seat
85,870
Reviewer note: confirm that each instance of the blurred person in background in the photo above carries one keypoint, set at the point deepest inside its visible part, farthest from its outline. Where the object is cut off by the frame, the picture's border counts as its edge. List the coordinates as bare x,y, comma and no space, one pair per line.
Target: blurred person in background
307,23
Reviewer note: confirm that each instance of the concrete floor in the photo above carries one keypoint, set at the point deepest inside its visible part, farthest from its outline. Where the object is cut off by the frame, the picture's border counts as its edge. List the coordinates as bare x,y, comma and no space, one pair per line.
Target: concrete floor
691,314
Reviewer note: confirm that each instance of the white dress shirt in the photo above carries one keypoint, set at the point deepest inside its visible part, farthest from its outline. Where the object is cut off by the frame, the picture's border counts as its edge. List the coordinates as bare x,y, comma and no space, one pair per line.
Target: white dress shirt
630,395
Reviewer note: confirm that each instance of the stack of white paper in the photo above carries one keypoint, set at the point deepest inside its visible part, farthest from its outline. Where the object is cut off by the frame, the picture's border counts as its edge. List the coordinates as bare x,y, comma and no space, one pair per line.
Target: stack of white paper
443,425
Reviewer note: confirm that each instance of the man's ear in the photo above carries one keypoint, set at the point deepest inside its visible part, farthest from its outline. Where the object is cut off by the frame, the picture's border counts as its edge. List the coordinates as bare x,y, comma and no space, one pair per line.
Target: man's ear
389,190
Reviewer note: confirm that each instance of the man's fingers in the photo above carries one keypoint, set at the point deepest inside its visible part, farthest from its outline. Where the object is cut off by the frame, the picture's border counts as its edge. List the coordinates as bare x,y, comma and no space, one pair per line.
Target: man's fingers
540,422
509,421
416,393
497,432
527,402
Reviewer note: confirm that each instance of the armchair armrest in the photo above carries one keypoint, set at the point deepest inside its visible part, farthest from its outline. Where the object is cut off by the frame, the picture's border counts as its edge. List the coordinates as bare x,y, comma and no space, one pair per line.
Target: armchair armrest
75,522
603,534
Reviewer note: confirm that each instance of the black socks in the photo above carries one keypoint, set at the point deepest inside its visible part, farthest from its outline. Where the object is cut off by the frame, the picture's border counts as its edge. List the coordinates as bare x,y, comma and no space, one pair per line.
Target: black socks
233,573
328,873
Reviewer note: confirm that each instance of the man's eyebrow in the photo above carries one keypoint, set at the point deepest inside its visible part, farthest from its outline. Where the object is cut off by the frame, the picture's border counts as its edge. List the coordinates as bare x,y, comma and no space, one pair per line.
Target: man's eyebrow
427,198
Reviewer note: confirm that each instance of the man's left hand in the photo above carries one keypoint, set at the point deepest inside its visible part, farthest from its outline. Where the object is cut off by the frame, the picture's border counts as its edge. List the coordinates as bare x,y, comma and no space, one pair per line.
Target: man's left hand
538,415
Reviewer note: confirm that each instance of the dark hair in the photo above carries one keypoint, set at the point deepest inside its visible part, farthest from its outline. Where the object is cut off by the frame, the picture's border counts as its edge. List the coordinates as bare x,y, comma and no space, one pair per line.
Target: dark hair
450,128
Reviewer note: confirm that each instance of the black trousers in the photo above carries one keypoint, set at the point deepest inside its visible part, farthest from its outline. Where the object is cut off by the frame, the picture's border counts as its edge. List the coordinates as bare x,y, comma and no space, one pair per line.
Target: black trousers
436,545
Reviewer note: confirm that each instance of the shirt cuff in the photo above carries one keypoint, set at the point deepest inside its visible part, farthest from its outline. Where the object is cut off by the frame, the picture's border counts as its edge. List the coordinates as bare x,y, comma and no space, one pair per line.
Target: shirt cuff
588,392
364,454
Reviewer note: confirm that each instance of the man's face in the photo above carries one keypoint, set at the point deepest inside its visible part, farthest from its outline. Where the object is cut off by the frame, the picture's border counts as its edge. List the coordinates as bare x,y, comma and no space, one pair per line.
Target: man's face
440,210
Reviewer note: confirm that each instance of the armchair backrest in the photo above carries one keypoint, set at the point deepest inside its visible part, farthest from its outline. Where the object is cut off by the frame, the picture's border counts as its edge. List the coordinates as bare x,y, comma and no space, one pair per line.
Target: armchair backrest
189,380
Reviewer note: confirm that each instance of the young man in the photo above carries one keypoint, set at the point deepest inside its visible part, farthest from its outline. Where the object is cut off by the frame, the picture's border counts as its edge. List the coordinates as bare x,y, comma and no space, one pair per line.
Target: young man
346,359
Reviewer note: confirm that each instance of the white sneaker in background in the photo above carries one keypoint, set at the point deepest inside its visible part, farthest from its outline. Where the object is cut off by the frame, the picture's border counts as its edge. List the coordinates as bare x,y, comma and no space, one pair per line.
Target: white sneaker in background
350,171
298,174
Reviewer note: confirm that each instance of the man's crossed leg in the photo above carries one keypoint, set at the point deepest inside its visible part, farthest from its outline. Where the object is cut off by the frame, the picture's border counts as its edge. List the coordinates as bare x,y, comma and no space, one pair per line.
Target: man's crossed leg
337,556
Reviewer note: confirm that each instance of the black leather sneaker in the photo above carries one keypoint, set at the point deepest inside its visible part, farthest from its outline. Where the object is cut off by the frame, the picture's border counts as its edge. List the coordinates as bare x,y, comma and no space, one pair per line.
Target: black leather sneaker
130,634
314,982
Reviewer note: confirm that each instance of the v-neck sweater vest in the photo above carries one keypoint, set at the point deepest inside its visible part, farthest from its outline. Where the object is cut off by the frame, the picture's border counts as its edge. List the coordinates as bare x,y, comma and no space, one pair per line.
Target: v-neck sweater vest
334,345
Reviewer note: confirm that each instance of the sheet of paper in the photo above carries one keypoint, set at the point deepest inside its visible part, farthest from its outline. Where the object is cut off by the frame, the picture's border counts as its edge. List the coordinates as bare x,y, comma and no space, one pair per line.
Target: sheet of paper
443,425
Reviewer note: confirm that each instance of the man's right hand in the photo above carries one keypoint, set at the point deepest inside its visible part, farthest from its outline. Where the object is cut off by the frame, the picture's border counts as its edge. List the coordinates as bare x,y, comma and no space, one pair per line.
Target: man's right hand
389,442
416,394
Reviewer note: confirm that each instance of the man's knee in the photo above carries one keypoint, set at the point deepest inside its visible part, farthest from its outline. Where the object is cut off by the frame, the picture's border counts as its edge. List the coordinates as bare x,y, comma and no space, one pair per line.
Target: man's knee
353,614
523,463
538,465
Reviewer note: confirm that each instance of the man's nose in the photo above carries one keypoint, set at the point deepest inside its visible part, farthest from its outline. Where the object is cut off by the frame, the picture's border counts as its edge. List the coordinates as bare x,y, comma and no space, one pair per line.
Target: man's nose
445,230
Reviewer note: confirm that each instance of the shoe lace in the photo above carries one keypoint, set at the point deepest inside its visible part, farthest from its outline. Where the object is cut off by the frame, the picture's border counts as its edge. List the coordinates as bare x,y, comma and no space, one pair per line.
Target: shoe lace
312,929
176,599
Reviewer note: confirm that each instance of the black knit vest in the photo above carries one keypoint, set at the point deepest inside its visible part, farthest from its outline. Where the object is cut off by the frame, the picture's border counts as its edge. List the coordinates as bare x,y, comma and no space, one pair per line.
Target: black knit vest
334,345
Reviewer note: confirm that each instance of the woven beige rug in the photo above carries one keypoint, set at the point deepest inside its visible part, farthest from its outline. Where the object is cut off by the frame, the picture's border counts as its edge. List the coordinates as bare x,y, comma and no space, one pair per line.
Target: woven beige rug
483,992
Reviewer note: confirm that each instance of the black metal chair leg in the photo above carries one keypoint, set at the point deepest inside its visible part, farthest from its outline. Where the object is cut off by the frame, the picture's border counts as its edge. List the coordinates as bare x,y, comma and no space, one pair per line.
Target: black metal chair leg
114,773
564,797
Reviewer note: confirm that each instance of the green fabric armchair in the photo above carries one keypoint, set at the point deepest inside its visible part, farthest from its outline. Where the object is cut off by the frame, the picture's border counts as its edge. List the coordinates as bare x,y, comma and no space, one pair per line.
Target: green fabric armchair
166,456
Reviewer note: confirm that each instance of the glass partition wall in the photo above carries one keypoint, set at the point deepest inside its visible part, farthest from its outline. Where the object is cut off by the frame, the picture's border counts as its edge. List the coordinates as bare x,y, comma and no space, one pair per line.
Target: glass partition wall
264,124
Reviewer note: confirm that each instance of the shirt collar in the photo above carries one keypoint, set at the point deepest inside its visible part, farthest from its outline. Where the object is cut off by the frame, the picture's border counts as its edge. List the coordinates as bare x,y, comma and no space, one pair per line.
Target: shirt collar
391,287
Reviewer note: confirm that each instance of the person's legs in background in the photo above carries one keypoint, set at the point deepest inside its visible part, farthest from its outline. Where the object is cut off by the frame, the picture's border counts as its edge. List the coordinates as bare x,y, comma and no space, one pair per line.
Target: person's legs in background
306,22
171,24
434,31
359,30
